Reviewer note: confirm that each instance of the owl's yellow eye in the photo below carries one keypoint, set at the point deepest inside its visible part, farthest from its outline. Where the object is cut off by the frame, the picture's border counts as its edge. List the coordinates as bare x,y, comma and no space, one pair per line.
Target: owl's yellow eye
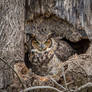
48,43
42,46
35,43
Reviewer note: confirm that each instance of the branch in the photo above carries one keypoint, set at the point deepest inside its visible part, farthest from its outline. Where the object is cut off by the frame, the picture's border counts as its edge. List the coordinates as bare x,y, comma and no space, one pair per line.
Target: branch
89,84
40,87
13,71
63,73
57,83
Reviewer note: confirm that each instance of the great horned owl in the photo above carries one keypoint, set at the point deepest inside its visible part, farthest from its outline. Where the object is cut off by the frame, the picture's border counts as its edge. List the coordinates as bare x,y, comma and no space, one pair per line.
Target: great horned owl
45,50
46,53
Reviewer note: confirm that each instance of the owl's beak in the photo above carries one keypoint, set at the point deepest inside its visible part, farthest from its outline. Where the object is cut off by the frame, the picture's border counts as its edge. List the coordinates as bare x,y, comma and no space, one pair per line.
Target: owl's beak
42,46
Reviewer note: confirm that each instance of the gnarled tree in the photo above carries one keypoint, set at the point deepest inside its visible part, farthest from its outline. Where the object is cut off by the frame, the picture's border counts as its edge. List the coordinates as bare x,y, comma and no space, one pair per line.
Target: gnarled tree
13,14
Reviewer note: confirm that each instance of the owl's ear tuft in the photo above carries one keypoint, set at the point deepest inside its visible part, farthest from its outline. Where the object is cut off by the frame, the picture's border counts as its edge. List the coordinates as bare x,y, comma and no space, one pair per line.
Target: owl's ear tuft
51,35
29,36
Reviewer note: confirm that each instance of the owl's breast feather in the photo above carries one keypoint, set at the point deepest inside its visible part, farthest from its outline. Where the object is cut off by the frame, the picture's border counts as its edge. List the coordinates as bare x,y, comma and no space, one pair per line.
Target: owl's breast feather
41,60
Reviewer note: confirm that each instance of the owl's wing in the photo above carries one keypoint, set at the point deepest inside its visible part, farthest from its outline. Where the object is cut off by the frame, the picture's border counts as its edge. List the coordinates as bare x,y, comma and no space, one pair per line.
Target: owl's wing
64,50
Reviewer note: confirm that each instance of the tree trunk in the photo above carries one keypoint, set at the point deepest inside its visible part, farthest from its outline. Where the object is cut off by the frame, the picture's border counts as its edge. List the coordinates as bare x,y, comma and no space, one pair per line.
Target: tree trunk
12,16
78,13
11,38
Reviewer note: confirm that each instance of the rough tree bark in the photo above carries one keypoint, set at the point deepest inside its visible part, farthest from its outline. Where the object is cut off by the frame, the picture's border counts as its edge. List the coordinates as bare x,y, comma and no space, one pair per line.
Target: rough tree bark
11,38
76,12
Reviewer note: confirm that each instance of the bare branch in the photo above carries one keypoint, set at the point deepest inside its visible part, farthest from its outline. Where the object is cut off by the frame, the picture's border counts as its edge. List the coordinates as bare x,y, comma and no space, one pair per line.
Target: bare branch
40,87
13,71
89,84
63,73
57,83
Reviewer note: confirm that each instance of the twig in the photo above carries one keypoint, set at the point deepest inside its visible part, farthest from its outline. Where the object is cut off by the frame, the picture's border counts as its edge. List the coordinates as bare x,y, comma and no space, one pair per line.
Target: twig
57,83
13,71
89,84
70,83
63,73
81,67
40,87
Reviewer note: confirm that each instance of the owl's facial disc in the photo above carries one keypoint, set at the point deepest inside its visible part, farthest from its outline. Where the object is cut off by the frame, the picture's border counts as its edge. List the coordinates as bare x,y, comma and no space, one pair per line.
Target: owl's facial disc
41,46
